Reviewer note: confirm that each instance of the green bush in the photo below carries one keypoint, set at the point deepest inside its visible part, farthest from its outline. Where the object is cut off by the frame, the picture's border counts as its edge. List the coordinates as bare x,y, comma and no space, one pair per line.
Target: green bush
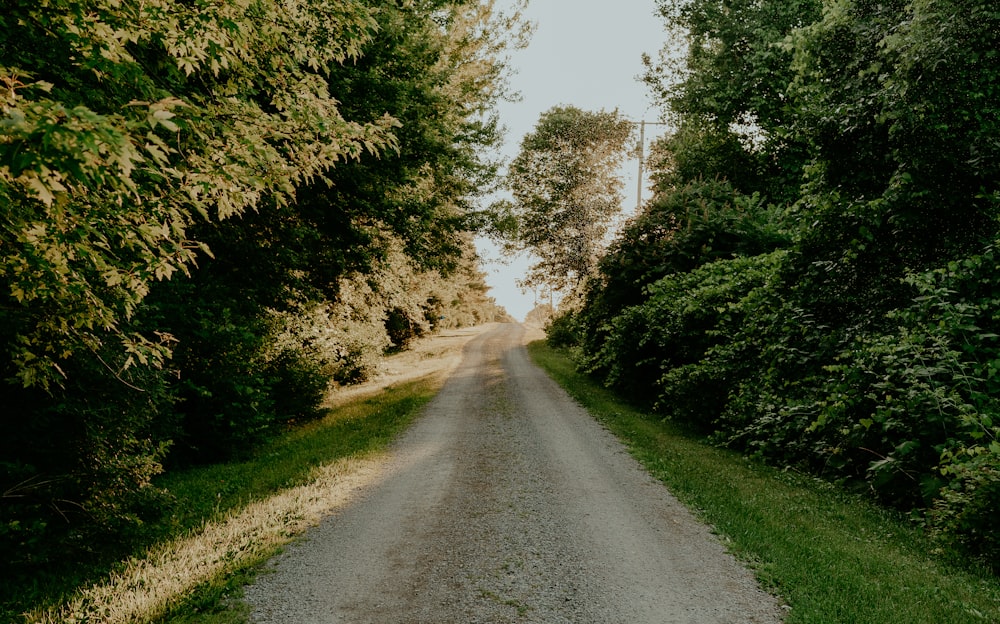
681,229
906,405
959,305
966,509
669,350
77,464
562,331
909,410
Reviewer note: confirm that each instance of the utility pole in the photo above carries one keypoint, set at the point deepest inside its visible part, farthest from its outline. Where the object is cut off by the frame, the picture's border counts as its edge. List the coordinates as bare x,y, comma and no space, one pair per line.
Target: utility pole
642,147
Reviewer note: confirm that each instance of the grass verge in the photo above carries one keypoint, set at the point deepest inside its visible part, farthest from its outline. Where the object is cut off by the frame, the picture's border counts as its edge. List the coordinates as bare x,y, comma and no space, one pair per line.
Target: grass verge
231,517
831,556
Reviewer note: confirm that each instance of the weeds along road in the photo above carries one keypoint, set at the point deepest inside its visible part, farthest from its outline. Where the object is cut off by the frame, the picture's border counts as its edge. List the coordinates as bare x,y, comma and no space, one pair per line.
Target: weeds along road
506,502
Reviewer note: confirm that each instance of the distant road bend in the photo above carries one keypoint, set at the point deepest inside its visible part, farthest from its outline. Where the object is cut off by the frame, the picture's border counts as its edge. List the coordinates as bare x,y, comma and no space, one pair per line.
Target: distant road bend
506,502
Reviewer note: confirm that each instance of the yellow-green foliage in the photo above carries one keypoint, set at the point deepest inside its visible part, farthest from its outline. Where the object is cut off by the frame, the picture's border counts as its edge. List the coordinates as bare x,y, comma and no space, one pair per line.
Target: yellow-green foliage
193,193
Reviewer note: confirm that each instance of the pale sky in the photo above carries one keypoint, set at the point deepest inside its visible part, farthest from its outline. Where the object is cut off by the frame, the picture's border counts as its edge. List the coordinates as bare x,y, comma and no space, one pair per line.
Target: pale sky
584,53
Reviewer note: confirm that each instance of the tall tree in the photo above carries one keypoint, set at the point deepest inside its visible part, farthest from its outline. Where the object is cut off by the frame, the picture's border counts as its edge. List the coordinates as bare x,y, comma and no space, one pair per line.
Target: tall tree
124,123
727,93
865,351
122,126
209,173
566,192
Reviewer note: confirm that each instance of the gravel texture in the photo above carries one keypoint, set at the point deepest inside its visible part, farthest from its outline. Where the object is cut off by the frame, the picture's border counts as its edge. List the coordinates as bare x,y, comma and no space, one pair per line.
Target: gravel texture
506,502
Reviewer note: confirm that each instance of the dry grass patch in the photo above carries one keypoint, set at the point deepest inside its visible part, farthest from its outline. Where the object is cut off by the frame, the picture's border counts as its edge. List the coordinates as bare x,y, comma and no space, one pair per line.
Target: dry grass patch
148,587
245,511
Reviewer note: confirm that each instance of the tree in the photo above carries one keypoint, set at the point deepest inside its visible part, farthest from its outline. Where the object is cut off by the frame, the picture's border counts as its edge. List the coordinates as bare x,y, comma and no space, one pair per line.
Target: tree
124,124
358,228
183,185
865,351
727,93
123,128
566,191
903,175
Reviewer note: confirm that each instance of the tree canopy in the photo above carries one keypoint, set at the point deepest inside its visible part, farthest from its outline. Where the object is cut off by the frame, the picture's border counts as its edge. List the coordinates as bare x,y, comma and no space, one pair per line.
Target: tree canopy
211,212
126,124
566,192
809,282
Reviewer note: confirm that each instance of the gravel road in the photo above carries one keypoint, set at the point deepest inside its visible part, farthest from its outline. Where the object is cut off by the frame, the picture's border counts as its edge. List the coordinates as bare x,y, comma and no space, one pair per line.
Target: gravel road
506,502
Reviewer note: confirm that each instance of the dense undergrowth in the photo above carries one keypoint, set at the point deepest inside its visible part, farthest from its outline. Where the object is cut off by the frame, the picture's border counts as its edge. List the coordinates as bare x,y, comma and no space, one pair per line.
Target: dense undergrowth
209,213
831,554
904,413
814,282
204,496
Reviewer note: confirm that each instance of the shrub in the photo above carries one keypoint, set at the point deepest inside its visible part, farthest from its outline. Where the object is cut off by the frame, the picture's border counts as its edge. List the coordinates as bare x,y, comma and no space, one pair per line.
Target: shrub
966,509
562,331
669,350
75,478
910,409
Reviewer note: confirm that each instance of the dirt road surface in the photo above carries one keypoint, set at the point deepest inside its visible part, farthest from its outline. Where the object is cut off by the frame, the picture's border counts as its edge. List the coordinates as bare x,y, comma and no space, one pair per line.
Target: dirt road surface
506,502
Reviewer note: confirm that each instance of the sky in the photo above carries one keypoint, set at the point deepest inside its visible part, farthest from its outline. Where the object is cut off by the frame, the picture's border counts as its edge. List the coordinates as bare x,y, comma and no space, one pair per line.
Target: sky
584,53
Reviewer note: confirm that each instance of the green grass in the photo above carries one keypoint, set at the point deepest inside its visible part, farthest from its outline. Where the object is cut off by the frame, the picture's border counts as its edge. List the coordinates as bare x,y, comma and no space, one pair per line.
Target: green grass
362,426
833,557
355,429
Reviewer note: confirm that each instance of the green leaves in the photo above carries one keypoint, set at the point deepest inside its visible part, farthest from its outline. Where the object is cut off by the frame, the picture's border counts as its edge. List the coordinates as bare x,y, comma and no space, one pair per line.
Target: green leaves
871,354
48,149
208,210
566,191
103,188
